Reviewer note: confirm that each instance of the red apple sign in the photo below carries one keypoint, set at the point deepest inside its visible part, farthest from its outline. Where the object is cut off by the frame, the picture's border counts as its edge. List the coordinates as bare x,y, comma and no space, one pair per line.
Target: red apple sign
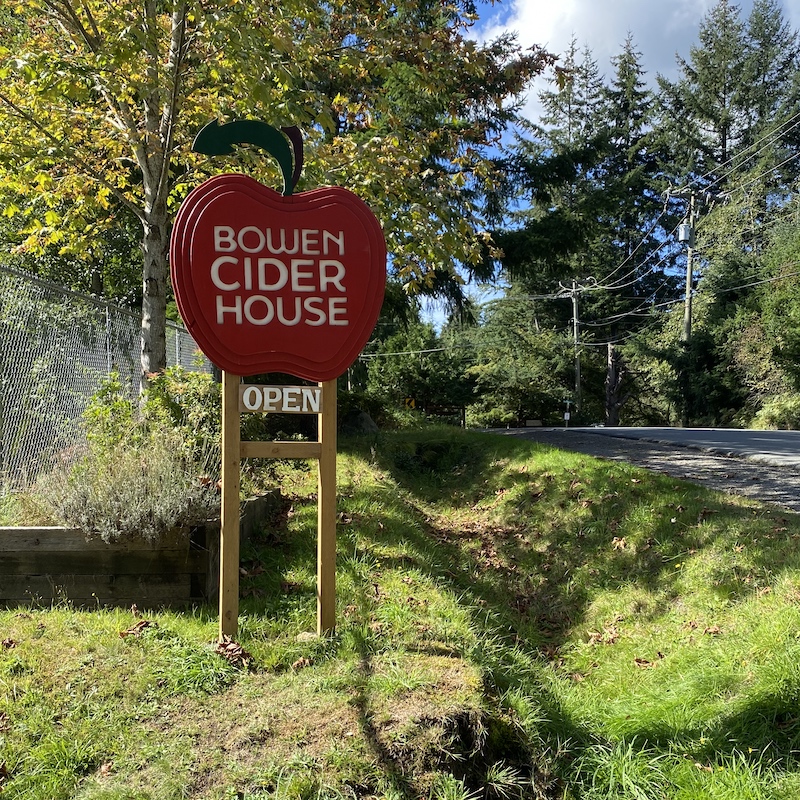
272,283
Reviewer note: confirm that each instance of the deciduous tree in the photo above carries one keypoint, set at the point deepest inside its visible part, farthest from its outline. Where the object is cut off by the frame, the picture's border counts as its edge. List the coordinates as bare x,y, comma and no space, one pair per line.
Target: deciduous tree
99,102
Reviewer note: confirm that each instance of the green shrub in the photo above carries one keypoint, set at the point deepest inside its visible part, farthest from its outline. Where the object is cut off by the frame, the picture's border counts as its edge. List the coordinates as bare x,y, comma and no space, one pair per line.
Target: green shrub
143,471
188,403
151,466
388,413
781,412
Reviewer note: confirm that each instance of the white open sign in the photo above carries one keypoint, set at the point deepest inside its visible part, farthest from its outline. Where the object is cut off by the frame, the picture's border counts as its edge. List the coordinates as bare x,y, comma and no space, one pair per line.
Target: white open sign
280,399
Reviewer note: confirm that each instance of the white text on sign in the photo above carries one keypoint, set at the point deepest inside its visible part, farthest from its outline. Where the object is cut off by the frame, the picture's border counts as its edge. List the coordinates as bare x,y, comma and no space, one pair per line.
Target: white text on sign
280,399
311,285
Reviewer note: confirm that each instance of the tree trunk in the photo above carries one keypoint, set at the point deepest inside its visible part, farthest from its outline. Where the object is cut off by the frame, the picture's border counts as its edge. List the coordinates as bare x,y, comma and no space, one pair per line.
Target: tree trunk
155,247
614,376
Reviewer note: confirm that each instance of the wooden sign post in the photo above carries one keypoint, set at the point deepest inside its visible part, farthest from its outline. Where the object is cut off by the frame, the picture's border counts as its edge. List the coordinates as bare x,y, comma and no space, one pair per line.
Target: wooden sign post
230,509
269,282
237,398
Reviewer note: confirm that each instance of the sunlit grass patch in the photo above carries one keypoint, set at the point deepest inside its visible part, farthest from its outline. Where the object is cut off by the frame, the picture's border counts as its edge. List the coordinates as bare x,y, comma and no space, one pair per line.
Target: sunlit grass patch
512,621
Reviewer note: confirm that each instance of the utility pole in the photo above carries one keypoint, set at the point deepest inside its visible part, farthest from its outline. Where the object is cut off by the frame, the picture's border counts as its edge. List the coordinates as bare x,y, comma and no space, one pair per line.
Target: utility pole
687,305
576,337
686,234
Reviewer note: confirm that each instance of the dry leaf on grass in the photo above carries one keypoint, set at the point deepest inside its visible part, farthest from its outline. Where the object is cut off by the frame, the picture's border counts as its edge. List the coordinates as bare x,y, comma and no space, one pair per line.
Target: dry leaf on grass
9,643
136,630
234,653
609,635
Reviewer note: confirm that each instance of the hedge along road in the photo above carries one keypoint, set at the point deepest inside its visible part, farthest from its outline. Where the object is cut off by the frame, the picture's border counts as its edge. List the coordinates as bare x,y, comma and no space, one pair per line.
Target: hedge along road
764,465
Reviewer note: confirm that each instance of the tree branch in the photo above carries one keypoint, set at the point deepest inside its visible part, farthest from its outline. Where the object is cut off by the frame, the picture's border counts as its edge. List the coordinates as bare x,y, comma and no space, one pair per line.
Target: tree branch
89,171
66,14
177,54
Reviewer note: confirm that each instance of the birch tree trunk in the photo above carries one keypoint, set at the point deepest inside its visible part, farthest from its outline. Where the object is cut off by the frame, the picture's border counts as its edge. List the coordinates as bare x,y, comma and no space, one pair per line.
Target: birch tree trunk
155,246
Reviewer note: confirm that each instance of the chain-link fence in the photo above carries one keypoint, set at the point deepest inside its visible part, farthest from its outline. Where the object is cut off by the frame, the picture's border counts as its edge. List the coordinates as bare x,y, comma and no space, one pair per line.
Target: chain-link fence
56,348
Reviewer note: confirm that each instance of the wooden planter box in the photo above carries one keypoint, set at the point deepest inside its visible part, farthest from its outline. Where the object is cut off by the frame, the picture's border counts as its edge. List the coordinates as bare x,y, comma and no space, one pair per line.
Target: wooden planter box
43,565
46,565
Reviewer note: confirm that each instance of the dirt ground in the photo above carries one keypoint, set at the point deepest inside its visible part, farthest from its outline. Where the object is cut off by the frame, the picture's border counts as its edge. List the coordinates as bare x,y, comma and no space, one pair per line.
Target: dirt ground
734,475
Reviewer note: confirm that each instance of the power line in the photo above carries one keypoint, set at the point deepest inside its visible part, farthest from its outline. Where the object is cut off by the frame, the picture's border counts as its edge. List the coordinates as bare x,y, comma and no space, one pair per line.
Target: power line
641,244
744,186
639,332
775,132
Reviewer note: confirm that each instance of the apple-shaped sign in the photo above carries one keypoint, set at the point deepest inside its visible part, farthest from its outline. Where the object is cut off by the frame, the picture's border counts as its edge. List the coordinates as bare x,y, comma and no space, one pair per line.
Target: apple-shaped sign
277,283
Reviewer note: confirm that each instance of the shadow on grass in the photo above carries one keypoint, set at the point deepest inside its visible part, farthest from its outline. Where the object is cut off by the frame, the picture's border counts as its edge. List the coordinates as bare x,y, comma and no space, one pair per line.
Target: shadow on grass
545,538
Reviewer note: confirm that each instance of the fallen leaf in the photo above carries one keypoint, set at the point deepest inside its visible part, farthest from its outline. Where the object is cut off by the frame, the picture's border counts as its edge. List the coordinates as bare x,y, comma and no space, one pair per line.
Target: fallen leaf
105,769
643,663
9,643
619,543
234,653
301,663
712,630
550,651
609,635
136,630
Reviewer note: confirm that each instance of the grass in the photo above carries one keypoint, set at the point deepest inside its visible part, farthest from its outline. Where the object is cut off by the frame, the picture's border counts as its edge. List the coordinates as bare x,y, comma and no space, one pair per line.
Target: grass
513,622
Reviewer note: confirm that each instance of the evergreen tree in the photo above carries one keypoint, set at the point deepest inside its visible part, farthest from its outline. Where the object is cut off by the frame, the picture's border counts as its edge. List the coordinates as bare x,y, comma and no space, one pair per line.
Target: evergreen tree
595,214
555,169
732,120
631,262
704,109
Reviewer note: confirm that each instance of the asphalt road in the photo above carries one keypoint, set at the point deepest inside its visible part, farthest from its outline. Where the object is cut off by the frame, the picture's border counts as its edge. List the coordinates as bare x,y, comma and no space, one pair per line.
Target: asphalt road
779,448
764,465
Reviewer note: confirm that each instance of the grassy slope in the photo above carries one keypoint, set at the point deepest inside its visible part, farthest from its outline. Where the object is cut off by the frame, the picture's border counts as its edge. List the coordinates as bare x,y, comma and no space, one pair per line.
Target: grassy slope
514,621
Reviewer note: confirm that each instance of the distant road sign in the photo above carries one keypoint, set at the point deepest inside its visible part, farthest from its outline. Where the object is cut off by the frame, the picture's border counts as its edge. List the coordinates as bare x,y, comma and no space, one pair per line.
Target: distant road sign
410,402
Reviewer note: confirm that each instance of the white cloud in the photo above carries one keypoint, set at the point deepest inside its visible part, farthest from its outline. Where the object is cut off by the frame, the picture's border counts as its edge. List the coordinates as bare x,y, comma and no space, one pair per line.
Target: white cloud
659,30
